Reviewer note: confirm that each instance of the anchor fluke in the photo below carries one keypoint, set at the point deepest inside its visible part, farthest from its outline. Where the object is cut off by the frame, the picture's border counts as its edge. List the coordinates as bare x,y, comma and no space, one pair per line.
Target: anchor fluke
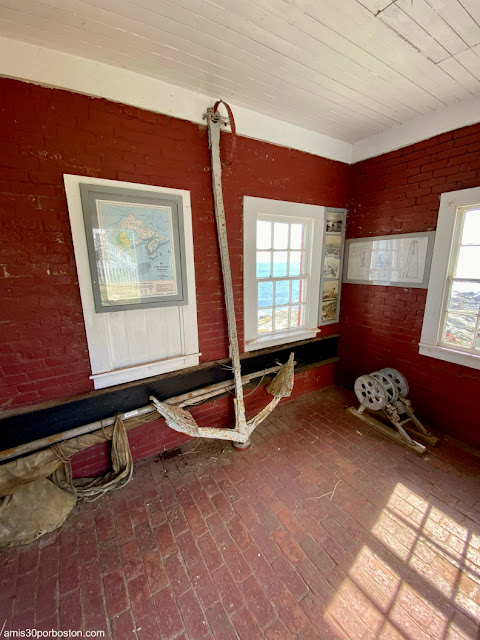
177,418
282,385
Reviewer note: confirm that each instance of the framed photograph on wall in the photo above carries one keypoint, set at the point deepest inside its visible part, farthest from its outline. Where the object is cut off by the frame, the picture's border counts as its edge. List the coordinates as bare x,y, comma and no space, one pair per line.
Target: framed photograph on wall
332,261
136,248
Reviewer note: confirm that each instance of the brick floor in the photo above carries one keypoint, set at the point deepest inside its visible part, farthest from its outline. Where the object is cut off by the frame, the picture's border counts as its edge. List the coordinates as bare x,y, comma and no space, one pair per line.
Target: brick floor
219,544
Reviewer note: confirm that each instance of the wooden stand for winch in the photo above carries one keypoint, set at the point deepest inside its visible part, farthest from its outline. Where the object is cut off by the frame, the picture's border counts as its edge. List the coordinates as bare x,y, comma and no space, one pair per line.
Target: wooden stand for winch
387,431
385,393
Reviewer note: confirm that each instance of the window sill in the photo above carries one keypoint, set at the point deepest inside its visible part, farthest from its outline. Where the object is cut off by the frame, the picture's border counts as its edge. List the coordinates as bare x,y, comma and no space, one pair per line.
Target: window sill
280,338
137,372
450,355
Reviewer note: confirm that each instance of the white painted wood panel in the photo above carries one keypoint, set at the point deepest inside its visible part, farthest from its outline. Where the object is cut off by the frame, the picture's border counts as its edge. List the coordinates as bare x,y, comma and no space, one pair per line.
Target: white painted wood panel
453,67
240,20
459,19
130,345
314,74
136,13
473,8
117,340
425,16
281,37
136,323
406,26
172,339
470,61
375,5
371,34
396,86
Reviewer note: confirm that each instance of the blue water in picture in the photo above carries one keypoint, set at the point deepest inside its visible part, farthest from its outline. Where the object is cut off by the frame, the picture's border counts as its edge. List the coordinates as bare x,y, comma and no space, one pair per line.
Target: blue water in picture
265,289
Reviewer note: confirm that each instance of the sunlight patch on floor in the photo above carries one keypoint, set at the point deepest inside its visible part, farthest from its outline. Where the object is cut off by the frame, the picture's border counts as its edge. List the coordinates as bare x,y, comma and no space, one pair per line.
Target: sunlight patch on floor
404,584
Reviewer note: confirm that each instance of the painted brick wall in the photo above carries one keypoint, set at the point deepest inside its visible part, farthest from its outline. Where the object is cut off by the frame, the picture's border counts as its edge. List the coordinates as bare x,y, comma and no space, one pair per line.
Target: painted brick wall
399,193
45,133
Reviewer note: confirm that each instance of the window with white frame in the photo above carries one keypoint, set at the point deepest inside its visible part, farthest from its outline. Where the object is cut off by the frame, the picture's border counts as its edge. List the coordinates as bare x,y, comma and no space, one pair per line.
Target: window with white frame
451,327
282,252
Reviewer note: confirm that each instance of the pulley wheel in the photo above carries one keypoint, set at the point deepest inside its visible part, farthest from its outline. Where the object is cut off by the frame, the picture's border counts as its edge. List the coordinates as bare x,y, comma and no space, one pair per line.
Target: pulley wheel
371,392
398,380
388,385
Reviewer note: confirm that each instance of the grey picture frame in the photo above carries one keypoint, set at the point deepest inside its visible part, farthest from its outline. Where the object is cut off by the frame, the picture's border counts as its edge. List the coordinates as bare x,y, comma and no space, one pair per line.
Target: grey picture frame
423,284
91,194
332,264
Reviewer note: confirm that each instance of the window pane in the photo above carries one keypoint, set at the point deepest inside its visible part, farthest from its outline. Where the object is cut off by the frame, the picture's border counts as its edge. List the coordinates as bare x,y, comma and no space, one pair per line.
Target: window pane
279,264
297,235
280,235
264,234
465,296
264,321
265,294
296,293
281,318
477,344
471,227
459,330
297,316
468,265
282,292
263,264
299,290
296,263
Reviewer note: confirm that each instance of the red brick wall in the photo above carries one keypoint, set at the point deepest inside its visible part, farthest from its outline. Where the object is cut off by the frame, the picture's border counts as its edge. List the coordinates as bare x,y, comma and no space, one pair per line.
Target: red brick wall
399,193
45,133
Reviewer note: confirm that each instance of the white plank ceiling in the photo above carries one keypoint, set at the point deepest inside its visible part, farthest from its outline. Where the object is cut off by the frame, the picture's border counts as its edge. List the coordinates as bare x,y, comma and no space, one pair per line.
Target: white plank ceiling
346,68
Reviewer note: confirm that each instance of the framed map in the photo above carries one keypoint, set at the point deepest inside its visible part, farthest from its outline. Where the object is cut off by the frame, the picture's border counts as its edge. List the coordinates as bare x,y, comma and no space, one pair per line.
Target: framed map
401,260
136,248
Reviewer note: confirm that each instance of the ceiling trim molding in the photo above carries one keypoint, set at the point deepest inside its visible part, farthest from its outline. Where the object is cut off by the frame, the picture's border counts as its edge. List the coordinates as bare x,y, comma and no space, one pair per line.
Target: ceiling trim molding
52,68
440,121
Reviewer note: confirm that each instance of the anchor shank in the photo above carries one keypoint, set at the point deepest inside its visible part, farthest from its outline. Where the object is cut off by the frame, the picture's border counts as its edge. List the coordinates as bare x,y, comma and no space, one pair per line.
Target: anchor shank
214,143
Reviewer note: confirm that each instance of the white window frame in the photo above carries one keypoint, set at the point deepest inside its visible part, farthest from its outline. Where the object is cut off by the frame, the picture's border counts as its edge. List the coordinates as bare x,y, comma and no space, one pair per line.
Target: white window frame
160,339
253,209
444,256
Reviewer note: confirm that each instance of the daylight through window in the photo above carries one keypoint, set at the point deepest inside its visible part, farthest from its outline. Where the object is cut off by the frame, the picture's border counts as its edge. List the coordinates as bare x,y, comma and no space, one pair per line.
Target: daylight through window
451,322
281,271
461,326
282,252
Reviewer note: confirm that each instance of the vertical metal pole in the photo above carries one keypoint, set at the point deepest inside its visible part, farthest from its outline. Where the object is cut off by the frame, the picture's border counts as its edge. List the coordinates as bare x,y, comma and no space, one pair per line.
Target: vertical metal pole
213,121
